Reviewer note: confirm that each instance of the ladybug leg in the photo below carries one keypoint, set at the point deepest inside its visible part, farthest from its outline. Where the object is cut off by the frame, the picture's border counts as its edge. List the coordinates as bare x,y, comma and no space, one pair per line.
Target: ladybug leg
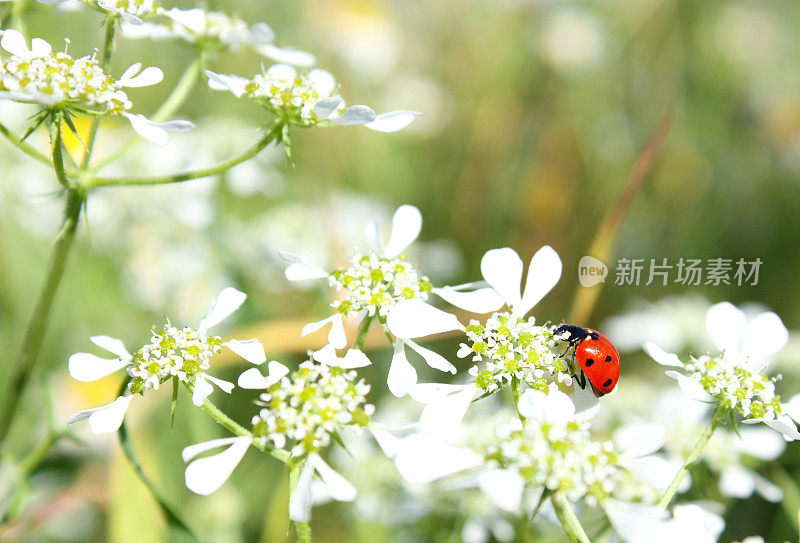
581,380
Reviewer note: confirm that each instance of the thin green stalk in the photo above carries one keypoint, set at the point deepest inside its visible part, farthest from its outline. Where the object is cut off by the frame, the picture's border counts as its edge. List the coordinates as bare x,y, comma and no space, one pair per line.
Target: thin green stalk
303,528
105,59
234,427
720,412
17,16
362,331
569,522
515,396
173,102
24,147
273,135
37,325
385,328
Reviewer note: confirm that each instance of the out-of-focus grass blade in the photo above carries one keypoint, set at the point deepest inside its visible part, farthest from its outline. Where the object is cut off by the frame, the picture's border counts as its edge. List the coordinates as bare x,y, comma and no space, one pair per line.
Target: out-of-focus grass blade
179,530
586,298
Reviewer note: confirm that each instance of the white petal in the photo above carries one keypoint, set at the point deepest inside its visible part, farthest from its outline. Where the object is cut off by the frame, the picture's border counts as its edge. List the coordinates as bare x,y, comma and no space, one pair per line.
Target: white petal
402,374
443,415
193,19
154,132
251,379
190,452
286,55
387,441
111,345
764,336
406,226
323,81
14,43
87,367
202,389
228,301
725,323
339,488
661,356
40,47
422,459
260,33
225,386
553,407
769,491
233,83
691,387
641,439
354,358
482,300
761,442
300,500
148,76
327,106
431,392
543,274
736,482
206,475
336,335
587,405
104,419
784,425
414,318
354,115
286,72
327,355
502,269
657,471
634,522
392,121
299,270
792,407
434,360
503,487
250,349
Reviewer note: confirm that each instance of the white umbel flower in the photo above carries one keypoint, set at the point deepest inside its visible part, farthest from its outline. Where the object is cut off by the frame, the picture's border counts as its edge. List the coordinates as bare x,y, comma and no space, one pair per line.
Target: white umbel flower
58,81
306,99
735,376
183,354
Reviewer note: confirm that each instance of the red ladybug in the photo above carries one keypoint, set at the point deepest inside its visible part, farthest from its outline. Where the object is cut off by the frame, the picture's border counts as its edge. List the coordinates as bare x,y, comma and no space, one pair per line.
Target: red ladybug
596,356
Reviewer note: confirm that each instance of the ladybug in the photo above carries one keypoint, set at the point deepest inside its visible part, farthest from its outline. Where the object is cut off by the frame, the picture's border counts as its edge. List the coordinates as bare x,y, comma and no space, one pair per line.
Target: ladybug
596,356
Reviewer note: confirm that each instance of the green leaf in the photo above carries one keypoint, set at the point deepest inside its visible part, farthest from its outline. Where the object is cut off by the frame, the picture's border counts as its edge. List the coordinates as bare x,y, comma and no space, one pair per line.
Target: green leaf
179,530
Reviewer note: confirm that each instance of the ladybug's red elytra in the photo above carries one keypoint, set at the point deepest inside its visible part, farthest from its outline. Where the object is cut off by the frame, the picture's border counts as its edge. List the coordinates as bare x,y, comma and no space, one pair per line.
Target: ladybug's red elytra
596,356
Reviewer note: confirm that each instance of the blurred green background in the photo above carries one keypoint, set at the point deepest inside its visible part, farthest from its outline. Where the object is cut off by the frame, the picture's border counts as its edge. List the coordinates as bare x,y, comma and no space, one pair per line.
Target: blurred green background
533,113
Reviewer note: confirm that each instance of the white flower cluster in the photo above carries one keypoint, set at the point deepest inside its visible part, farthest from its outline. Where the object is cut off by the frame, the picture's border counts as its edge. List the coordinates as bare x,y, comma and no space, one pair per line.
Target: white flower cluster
63,80
172,352
309,405
291,94
511,347
559,455
374,283
750,393
126,8
217,27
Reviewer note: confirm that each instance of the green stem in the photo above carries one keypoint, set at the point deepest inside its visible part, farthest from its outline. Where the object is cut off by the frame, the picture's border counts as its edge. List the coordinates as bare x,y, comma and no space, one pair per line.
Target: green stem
362,331
569,522
515,396
303,528
17,16
234,427
24,147
716,418
105,59
272,135
385,328
37,325
174,101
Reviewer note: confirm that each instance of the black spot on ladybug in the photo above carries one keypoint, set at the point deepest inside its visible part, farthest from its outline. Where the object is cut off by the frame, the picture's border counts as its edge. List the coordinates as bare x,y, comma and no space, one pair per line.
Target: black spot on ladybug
608,358
607,383
589,362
